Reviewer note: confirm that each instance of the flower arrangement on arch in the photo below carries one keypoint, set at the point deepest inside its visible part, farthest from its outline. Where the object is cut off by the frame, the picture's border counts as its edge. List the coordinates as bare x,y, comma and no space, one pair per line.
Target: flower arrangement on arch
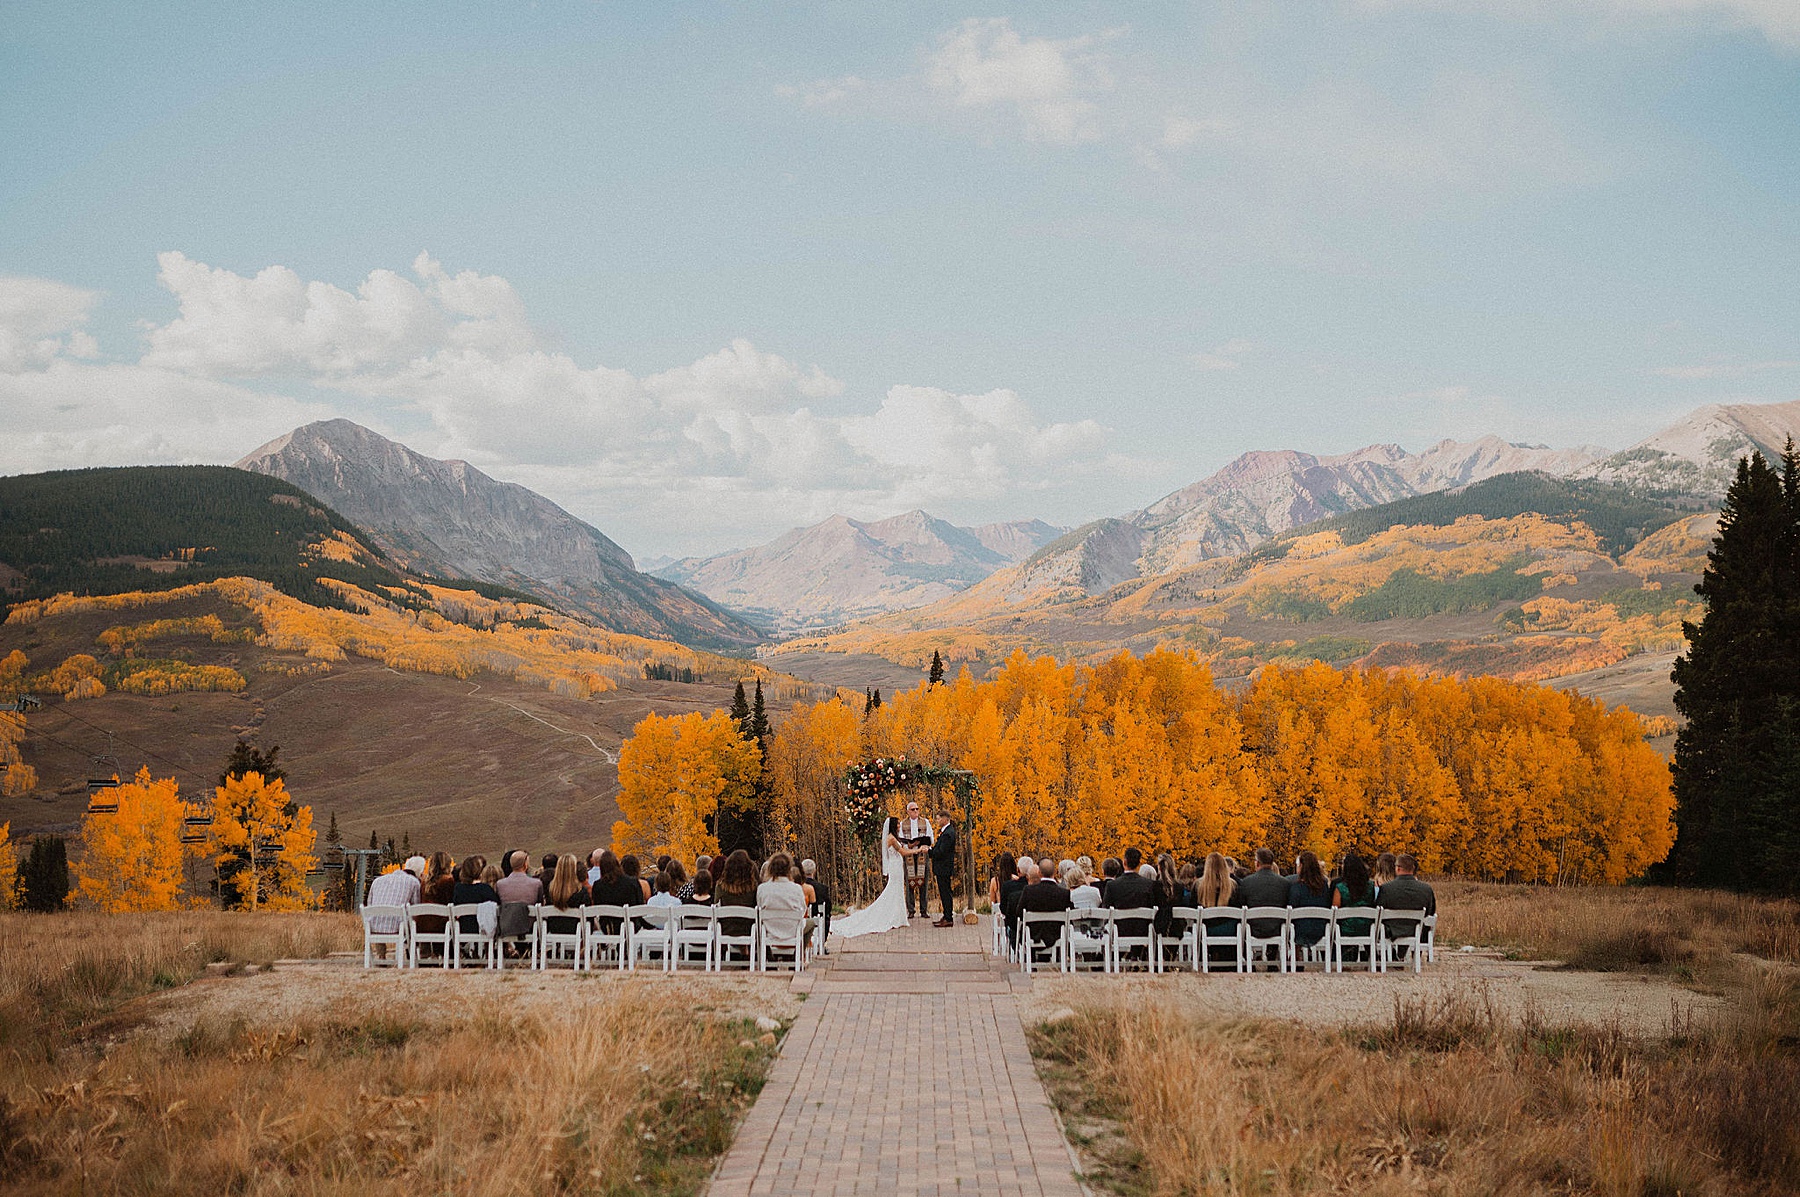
867,785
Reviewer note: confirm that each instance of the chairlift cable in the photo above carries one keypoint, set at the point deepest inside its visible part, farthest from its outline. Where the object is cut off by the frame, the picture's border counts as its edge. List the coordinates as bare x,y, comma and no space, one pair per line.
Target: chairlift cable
64,710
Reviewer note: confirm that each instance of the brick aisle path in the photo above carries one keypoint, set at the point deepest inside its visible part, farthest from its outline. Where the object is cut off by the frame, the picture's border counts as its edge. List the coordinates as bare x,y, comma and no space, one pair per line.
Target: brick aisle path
906,1073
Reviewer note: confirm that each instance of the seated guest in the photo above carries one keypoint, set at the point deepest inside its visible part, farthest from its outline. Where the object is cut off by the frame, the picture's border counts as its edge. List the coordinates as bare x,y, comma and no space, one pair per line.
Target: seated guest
547,873
678,881
593,873
821,898
665,894
1185,881
1011,889
1109,869
1216,888
702,895
1238,871
704,862
472,886
1381,872
567,892
1041,894
1355,889
1130,890
781,902
519,885
1005,869
736,887
398,888
439,889
1308,888
613,888
1264,887
1082,893
490,874
1405,892
633,870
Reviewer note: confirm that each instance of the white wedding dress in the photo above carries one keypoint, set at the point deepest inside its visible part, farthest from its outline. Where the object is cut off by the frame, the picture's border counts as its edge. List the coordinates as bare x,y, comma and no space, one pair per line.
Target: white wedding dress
887,911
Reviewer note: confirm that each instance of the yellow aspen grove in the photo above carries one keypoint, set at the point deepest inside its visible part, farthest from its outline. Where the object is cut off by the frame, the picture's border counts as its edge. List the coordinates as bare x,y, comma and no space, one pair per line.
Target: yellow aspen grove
9,868
674,773
131,859
807,757
262,844
16,777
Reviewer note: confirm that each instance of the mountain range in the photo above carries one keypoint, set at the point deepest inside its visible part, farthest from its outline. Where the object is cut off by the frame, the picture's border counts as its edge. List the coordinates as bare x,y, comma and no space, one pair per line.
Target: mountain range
448,519
842,569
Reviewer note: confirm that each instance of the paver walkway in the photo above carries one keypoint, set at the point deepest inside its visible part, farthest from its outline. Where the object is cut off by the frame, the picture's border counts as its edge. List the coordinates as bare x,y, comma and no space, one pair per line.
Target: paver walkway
905,1073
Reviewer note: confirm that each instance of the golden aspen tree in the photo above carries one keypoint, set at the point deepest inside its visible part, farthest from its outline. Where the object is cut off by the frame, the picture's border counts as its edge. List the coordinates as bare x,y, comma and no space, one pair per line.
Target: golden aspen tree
17,777
131,859
674,774
808,754
262,844
9,868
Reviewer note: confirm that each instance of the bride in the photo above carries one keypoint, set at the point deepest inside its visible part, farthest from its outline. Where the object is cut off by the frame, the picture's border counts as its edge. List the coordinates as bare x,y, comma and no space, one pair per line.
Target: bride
889,910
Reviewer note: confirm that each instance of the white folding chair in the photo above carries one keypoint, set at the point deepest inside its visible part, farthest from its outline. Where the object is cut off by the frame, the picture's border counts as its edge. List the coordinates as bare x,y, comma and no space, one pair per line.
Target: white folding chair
444,937
1400,934
1368,942
997,924
1212,936
549,945
1086,940
470,939
1428,932
724,942
384,926
1051,951
1180,936
1318,952
1275,941
780,933
600,944
651,934
1120,943
693,933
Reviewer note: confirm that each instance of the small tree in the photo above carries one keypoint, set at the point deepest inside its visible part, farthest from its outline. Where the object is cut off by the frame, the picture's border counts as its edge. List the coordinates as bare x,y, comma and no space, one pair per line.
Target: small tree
247,758
45,877
262,843
9,869
937,669
131,859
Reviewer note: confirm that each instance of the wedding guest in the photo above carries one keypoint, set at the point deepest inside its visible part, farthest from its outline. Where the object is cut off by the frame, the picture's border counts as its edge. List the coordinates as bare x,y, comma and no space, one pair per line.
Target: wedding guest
1186,878
1165,891
1381,872
1355,889
1011,889
1216,889
1134,860
567,891
519,885
490,874
736,887
781,902
629,864
664,895
1087,866
1405,892
1309,888
439,890
473,886
547,871
1082,894
1042,895
679,885
398,888
702,895
1131,890
821,900
612,887
1264,887
704,862
593,873
1110,869
1005,869
1238,871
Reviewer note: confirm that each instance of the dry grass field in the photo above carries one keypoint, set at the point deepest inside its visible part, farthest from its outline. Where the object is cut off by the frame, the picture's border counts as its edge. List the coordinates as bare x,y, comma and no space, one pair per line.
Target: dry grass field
1455,1093
623,1095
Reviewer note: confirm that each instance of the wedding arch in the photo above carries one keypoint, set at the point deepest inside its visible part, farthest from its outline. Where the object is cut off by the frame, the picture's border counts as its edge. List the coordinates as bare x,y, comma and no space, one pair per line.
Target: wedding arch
869,786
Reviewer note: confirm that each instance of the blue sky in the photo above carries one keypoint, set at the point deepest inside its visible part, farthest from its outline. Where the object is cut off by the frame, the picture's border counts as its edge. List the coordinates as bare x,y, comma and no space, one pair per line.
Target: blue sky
703,272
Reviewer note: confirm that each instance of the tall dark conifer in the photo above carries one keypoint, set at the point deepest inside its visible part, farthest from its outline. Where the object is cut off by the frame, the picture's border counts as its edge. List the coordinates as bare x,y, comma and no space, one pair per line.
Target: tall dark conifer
937,669
740,711
1739,688
759,722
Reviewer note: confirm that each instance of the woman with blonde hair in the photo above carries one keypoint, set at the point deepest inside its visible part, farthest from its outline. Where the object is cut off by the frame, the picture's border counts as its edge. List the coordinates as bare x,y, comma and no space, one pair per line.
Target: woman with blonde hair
1216,889
1382,872
568,891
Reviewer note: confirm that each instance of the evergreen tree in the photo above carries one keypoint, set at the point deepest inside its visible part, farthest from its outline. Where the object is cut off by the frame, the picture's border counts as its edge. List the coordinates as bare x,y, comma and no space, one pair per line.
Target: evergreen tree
1739,688
331,831
937,669
740,712
44,877
373,842
406,845
868,701
247,758
759,721
875,702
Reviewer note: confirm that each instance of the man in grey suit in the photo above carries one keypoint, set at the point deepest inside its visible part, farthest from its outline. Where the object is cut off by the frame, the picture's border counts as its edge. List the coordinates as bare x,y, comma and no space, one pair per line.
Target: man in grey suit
1404,892
1264,887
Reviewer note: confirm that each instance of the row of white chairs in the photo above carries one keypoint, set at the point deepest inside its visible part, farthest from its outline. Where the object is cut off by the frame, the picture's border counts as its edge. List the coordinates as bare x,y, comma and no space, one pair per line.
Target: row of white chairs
610,937
1113,940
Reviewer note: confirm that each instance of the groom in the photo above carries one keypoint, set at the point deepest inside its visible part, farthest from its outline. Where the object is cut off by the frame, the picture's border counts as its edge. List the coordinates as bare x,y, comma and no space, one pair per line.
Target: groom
943,864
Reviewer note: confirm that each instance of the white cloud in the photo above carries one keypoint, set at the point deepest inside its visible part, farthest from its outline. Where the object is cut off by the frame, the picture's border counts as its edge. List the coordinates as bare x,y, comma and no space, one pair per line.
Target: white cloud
986,63
730,440
42,320
823,93
1223,357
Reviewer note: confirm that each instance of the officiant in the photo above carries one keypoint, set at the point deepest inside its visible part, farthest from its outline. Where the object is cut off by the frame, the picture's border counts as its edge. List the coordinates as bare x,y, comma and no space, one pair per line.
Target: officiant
916,837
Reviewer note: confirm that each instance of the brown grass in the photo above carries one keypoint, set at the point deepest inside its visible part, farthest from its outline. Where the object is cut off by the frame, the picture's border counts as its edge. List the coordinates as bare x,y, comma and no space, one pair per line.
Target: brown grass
1618,929
630,1095
1447,1097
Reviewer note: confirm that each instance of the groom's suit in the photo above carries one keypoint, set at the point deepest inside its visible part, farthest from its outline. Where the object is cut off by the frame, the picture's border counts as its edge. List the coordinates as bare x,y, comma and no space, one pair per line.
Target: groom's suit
943,863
